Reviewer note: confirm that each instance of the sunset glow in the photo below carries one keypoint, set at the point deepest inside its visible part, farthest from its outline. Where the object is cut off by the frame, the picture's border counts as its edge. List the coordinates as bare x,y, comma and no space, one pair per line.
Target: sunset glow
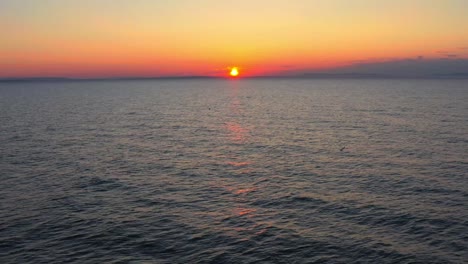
168,38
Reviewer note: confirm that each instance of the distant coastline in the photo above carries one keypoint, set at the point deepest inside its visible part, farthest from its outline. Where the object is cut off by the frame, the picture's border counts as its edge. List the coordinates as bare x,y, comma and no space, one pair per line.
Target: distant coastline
62,79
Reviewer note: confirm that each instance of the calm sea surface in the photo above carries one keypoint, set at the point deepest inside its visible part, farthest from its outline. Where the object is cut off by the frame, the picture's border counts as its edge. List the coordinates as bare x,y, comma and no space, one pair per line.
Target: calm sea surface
234,171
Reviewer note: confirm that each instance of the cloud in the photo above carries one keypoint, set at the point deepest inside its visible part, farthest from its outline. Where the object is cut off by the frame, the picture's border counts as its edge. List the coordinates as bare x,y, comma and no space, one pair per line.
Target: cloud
383,60
403,67
412,67
449,54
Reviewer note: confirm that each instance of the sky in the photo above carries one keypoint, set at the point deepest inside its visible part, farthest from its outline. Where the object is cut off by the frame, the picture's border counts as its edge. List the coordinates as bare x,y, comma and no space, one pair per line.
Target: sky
150,38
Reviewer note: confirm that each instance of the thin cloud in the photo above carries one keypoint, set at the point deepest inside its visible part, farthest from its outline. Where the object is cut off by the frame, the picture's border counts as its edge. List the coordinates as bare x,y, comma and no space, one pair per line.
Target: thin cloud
451,54
402,67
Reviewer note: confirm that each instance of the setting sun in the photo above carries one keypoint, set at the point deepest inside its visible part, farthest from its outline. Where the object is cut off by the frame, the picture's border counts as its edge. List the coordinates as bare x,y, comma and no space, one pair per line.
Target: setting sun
234,72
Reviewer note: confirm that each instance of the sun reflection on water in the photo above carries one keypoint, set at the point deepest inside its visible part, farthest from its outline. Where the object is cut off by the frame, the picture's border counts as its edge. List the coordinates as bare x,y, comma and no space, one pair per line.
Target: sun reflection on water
239,186
245,211
239,164
237,133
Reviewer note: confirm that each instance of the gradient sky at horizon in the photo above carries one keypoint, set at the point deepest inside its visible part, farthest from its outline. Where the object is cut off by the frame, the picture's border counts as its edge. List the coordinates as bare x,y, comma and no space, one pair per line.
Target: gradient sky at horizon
108,38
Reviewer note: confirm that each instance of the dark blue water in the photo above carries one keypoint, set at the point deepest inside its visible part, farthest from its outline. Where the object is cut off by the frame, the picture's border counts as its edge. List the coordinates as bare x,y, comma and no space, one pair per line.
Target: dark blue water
223,171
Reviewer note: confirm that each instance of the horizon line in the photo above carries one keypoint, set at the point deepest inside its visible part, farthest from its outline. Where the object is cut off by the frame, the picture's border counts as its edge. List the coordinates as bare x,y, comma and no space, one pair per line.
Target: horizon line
461,75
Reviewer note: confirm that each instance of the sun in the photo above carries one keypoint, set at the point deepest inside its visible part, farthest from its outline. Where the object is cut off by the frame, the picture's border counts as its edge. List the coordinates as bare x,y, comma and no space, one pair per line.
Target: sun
234,72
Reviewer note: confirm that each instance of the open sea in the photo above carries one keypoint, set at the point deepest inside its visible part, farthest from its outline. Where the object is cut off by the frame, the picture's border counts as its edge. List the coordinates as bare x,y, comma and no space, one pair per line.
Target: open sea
234,171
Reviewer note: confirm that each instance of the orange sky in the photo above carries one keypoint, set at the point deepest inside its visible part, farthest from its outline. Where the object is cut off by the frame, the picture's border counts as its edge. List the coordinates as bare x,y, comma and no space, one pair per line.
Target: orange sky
110,38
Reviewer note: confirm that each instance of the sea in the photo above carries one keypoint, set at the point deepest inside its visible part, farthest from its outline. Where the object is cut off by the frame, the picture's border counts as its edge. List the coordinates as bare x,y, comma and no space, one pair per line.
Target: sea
234,171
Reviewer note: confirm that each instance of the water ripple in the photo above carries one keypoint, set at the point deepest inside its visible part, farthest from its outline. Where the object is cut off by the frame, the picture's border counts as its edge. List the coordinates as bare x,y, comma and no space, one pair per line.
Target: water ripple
250,171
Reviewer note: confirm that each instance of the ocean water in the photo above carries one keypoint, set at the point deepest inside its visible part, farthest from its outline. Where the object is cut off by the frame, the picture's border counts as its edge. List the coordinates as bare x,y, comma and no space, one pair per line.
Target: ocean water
234,171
